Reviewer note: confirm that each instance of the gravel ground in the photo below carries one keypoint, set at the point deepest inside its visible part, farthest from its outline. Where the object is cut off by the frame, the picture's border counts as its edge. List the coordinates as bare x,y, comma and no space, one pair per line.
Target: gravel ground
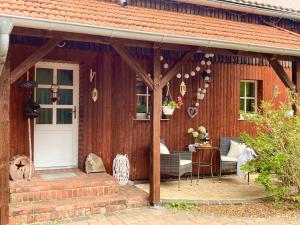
265,209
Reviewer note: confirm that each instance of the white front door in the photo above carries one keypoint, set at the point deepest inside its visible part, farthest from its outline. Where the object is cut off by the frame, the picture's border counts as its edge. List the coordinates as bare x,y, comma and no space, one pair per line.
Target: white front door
56,129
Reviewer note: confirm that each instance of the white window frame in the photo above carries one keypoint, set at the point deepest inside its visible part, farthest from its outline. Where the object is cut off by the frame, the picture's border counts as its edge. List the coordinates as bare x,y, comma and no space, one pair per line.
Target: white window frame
147,94
245,98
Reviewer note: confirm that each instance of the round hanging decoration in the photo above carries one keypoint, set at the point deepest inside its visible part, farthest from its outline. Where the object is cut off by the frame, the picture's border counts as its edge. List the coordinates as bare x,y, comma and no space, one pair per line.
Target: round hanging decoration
121,169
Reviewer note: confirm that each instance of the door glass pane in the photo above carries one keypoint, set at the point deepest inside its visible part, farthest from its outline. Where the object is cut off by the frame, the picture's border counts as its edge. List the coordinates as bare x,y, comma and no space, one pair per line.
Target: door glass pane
65,97
64,116
242,89
250,105
44,76
43,96
65,77
45,116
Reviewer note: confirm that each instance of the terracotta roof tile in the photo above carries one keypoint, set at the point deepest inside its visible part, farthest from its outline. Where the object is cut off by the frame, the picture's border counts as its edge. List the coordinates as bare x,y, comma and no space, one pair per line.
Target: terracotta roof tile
111,15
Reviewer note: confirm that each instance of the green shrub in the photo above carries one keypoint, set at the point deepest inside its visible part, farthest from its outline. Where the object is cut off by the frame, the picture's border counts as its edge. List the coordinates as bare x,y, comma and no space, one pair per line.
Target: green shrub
277,144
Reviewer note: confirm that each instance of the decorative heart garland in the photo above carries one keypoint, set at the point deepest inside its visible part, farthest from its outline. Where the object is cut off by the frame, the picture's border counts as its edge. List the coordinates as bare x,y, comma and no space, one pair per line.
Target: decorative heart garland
192,111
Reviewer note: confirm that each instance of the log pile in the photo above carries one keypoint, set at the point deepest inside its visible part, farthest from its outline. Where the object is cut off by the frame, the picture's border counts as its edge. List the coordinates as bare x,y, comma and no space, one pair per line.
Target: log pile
19,168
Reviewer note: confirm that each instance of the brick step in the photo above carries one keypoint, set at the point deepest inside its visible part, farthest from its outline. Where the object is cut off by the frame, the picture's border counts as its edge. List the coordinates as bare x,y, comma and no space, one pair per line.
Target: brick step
53,210
82,186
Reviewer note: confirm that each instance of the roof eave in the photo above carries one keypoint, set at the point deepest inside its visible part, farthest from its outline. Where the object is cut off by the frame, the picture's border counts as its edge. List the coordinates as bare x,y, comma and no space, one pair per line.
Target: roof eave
54,25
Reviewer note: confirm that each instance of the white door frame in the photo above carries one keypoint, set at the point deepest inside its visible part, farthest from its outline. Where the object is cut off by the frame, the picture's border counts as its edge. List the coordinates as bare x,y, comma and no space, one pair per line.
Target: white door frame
75,121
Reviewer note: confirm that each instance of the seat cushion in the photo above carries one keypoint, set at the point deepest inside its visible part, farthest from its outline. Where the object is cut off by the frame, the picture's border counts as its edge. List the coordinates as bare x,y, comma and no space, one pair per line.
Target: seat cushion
164,149
228,159
235,149
185,162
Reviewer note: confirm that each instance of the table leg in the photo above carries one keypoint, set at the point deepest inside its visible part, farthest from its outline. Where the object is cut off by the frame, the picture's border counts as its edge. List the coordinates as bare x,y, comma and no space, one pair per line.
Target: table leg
198,167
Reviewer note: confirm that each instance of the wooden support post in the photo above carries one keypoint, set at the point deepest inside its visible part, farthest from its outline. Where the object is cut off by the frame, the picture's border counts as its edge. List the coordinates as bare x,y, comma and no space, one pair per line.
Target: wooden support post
296,79
156,112
34,58
281,73
4,142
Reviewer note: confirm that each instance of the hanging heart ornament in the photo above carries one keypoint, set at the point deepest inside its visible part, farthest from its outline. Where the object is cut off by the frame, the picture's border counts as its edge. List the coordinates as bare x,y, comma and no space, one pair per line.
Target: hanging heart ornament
192,111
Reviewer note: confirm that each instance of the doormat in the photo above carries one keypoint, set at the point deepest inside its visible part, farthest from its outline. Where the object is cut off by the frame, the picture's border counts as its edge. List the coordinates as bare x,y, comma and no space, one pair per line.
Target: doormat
52,176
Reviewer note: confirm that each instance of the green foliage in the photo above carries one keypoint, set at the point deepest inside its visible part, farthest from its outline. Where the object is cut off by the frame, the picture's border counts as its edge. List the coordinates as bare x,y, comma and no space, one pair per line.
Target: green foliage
171,104
277,144
141,108
179,205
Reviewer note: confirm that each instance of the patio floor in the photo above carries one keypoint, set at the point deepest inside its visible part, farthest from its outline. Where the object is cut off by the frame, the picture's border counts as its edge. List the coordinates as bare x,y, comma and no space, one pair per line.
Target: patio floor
228,190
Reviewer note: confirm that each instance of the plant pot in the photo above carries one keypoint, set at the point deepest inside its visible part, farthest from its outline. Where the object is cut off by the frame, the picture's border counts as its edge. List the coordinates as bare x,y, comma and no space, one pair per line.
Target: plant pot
141,116
168,111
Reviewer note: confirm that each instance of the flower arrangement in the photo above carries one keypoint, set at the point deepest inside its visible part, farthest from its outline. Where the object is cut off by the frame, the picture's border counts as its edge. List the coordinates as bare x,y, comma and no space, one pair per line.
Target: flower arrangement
170,105
198,134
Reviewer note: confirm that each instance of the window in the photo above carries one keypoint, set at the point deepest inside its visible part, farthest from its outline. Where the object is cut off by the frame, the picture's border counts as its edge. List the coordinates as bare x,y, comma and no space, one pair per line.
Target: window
142,99
248,96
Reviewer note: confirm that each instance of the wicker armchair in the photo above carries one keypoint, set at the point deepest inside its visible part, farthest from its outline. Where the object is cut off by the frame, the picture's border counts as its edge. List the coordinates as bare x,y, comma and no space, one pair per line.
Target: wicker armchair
224,149
177,163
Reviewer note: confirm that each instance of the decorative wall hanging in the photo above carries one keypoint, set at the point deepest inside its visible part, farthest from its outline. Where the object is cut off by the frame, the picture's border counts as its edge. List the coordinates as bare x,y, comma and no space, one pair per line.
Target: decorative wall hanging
54,90
121,169
192,111
93,77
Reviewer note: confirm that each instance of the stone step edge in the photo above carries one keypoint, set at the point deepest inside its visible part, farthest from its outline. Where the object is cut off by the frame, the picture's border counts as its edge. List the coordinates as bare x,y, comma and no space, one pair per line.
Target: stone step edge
63,194
61,209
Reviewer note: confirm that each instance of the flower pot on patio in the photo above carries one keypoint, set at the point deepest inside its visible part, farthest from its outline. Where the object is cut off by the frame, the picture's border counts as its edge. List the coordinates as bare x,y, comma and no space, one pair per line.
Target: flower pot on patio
168,111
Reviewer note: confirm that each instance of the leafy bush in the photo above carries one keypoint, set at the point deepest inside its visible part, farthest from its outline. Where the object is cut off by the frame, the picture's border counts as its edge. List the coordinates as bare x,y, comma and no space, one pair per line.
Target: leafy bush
277,144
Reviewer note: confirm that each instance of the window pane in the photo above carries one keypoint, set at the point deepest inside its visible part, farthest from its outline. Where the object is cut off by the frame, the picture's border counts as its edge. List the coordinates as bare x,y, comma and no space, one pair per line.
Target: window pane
242,89
65,77
242,105
141,88
44,76
250,89
64,116
45,116
43,96
65,97
250,105
141,105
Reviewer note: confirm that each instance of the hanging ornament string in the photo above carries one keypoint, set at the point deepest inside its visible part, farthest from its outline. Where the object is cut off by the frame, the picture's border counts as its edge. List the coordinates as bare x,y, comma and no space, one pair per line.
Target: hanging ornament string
168,96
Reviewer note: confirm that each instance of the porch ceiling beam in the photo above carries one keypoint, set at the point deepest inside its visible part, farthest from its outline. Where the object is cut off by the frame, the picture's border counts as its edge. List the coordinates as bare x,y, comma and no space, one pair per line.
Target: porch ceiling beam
142,44
34,58
176,68
281,73
133,64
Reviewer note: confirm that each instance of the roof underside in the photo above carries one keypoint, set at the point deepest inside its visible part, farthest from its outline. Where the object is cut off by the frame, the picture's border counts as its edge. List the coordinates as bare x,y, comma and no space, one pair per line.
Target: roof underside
102,14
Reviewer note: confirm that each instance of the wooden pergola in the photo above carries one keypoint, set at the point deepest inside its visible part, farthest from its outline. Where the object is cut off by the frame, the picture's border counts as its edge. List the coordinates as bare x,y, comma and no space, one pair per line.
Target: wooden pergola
155,83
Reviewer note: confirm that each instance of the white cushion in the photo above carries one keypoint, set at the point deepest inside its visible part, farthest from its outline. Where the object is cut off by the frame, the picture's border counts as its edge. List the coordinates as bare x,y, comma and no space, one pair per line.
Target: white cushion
235,149
185,162
164,149
228,159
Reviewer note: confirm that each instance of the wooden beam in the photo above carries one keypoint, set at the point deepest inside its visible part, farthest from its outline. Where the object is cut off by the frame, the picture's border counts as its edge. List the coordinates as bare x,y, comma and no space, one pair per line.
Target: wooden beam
34,58
176,68
4,142
296,81
281,73
155,130
134,65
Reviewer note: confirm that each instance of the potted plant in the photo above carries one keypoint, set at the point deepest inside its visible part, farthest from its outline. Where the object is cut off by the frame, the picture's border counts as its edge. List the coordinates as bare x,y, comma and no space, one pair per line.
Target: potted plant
198,134
141,111
169,106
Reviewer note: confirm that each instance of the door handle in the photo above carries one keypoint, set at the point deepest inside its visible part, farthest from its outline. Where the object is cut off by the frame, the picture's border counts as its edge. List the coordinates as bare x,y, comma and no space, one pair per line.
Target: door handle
75,112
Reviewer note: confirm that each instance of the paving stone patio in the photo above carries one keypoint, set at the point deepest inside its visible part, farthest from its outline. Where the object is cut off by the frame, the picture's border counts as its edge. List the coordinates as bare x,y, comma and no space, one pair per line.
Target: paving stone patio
148,216
227,190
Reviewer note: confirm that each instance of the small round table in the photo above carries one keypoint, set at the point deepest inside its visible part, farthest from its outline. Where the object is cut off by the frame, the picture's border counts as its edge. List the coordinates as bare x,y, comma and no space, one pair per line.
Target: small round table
201,162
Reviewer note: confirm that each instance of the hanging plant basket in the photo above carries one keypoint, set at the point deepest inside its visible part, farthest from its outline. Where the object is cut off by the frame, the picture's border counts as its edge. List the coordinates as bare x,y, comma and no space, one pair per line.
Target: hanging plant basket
168,111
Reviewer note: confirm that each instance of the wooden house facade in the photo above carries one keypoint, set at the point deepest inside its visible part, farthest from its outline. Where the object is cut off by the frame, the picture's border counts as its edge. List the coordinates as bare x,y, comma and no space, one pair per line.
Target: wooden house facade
109,126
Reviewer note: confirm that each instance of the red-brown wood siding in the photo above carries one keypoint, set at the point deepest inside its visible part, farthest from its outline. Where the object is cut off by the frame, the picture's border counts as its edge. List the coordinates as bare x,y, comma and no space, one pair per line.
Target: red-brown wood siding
107,127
